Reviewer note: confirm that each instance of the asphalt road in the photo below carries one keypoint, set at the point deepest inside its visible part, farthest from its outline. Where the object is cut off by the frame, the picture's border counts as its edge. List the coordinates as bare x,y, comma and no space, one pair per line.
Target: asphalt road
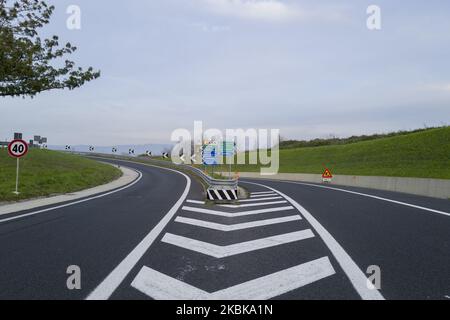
158,240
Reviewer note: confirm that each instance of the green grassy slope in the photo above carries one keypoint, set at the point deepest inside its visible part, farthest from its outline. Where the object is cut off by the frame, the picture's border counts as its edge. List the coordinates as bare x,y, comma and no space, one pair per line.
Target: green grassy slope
44,173
422,154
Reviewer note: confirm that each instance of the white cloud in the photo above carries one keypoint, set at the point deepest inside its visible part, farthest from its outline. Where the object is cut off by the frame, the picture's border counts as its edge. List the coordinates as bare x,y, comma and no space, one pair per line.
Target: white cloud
269,10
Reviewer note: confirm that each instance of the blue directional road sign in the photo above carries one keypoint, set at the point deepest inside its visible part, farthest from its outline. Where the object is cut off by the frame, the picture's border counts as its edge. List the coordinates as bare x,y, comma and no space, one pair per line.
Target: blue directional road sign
210,155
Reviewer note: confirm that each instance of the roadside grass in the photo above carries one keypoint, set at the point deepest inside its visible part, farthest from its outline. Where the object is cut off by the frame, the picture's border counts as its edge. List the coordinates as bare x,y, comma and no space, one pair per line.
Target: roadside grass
44,173
424,154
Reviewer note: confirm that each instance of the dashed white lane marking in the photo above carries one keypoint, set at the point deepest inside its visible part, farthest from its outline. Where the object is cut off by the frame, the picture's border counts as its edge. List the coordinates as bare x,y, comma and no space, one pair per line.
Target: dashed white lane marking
373,197
115,278
236,214
260,199
263,192
351,269
162,287
75,202
195,202
234,227
264,195
235,249
258,204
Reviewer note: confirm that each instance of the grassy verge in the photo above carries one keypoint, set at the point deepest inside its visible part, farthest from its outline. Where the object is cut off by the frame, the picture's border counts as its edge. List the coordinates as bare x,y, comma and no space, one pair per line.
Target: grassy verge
45,173
423,154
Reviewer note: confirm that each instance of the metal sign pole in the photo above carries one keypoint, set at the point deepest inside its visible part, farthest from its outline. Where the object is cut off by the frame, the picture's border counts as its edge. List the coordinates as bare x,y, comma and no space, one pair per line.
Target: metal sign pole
17,178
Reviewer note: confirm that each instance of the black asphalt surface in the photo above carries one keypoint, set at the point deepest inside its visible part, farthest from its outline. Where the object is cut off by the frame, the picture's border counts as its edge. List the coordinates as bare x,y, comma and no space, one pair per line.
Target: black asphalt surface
411,246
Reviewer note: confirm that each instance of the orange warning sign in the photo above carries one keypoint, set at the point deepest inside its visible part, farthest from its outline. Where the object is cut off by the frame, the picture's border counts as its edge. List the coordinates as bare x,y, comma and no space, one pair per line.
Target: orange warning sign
327,174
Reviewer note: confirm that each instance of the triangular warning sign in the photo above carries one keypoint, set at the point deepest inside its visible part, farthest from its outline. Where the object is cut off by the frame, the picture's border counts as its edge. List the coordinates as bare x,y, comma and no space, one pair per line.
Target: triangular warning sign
327,174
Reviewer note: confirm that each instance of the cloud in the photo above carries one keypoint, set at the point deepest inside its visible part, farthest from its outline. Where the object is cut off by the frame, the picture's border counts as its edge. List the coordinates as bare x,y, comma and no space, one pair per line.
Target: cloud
445,87
205,27
268,10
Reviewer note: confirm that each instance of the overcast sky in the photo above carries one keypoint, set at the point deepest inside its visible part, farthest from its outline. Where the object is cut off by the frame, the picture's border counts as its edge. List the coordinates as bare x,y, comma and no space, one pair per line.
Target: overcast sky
308,68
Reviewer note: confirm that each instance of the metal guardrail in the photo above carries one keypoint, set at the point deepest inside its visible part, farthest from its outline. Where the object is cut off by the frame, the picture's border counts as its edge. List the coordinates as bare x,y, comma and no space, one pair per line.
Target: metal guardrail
212,183
215,182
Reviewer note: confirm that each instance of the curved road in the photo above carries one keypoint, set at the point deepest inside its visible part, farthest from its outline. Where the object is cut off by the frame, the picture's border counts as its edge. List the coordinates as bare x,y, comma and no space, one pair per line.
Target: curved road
157,240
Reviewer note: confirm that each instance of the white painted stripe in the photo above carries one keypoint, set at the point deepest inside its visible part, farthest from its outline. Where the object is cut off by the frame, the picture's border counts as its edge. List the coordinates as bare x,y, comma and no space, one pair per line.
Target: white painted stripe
264,195
195,202
115,278
227,194
234,227
260,199
258,204
264,192
374,197
218,196
236,214
75,202
235,249
162,287
351,269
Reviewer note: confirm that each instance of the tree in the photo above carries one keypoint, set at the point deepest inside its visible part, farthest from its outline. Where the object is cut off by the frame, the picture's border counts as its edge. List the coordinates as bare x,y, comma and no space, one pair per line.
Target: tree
28,64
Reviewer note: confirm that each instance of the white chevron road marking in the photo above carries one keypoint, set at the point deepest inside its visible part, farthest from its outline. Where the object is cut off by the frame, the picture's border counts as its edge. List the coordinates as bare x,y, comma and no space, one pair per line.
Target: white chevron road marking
351,269
260,199
258,204
235,227
195,202
264,195
263,192
236,214
162,287
235,249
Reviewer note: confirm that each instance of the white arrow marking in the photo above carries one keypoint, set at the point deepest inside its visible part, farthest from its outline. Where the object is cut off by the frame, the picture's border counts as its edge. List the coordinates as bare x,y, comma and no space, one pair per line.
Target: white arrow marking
237,214
238,248
234,227
258,204
162,287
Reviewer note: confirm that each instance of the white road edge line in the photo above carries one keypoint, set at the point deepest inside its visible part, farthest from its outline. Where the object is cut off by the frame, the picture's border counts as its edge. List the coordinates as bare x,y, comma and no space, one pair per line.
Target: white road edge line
234,227
236,214
374,197
351,269
220,252
162,287
105,289
75,202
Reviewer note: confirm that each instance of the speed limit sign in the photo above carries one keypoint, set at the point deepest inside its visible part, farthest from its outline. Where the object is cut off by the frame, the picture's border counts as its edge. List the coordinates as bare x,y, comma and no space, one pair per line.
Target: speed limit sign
17,148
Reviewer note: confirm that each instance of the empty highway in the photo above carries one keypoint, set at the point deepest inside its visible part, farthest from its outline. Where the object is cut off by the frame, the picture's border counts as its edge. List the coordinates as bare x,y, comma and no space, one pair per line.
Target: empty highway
158,239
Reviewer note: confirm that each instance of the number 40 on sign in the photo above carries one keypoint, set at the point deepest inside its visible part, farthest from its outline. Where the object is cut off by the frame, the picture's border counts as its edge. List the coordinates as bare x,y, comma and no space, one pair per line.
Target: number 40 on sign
17,149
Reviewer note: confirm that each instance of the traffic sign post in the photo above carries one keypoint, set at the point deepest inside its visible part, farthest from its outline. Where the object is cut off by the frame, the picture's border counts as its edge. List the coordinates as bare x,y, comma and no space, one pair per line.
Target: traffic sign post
17,149
327,176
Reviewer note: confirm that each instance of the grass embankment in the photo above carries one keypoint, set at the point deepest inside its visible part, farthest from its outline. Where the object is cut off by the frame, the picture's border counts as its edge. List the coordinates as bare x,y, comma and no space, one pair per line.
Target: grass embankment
45,173
423,154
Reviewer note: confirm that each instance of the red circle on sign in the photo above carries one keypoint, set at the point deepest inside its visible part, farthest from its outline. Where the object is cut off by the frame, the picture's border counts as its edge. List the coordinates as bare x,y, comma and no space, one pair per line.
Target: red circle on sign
17,148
